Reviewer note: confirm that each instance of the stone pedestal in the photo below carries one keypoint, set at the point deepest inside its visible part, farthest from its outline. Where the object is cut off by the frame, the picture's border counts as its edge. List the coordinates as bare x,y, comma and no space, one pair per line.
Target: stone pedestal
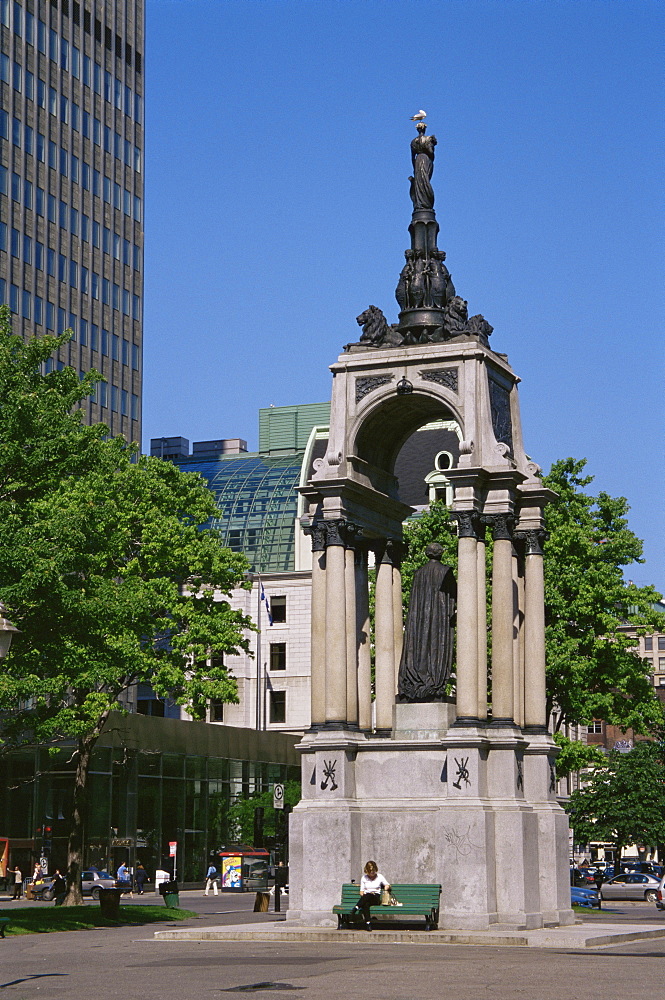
464,807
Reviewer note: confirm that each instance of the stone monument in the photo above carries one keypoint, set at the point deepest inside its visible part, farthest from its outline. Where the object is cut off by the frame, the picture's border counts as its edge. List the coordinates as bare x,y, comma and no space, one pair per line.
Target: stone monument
459,792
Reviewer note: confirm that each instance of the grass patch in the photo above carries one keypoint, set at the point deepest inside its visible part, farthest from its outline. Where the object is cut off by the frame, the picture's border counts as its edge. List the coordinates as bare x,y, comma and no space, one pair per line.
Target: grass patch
39,920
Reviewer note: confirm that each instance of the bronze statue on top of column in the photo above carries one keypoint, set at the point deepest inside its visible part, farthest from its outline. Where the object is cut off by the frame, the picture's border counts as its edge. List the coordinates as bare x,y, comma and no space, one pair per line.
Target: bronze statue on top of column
430,310
422,158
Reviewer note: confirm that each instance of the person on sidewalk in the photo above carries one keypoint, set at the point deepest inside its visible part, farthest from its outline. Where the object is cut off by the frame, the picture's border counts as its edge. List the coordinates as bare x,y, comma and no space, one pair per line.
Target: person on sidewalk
18,882
371,885
212,879
140,877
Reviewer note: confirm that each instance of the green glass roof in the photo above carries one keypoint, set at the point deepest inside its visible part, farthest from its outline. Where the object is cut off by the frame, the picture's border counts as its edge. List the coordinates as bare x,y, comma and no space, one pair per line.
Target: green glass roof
257,504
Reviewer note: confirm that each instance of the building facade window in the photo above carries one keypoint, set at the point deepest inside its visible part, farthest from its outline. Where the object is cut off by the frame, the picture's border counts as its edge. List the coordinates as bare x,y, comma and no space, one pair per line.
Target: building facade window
278,609
648,643
595,727
278,706
278,656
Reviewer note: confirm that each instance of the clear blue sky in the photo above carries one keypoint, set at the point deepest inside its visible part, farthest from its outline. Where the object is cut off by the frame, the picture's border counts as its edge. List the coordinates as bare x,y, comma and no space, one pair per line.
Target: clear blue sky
277,206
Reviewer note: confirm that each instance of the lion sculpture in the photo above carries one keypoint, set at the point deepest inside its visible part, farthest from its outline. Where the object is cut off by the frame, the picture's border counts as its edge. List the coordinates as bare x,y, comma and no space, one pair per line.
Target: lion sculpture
377,332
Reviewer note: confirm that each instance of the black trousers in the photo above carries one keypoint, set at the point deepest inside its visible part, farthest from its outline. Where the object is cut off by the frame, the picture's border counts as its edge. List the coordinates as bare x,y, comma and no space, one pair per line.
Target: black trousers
366,900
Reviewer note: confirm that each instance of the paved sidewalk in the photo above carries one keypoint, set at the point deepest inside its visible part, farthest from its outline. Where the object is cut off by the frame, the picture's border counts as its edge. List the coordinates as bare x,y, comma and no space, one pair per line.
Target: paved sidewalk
582,935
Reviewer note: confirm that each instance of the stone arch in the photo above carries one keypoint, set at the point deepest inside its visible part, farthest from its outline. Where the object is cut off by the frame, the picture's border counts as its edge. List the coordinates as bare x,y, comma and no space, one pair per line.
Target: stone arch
379,433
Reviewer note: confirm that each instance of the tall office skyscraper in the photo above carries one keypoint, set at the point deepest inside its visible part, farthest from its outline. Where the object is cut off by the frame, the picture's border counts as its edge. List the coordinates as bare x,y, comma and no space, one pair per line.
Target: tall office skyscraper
71,188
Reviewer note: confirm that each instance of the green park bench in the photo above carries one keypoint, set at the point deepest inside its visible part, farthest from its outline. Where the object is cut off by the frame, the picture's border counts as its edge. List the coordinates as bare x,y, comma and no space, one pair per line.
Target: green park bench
4,924
416,900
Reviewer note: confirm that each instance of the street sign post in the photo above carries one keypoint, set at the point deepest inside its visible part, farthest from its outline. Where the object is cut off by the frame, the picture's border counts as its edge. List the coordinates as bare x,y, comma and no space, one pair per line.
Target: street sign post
173,852
278,796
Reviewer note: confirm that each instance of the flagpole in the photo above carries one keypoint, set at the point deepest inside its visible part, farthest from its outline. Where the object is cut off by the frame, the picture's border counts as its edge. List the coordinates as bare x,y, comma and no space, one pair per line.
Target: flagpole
258,654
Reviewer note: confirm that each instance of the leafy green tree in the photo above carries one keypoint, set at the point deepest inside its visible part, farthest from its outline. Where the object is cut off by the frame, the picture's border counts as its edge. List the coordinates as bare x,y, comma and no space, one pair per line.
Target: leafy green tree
576,756
433,525
106,569
623,801
592,615
241,813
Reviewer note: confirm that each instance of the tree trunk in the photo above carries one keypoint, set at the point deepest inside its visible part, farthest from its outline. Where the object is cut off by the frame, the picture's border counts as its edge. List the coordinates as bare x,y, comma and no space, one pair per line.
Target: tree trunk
74,896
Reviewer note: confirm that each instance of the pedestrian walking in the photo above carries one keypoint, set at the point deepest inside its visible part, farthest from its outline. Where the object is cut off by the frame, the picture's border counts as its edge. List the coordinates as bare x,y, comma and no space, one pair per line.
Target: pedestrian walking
140,877
212,879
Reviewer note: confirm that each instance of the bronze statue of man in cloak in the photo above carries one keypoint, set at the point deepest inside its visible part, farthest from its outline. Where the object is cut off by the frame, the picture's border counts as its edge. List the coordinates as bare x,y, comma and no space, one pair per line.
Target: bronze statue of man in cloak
427,653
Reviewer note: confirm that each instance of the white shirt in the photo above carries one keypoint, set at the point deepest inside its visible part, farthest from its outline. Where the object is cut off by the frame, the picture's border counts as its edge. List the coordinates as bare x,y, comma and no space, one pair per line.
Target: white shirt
368,884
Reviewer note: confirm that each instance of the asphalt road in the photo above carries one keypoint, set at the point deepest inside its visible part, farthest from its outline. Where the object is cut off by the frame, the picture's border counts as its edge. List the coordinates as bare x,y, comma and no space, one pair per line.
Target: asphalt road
128,964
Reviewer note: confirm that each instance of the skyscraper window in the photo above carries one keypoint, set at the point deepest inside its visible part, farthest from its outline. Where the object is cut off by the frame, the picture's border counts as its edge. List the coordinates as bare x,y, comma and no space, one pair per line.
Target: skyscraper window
73,51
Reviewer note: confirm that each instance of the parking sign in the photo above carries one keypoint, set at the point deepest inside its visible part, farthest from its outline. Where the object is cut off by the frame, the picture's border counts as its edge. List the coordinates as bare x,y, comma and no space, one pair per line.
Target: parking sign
278,796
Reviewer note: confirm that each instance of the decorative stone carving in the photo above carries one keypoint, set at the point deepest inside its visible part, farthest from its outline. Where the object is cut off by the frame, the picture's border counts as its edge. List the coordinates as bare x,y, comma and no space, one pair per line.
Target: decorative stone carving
552,775
469,523
329,775
500,406
404,387
533,541
462,774
317,532
369,383
502,525
443,376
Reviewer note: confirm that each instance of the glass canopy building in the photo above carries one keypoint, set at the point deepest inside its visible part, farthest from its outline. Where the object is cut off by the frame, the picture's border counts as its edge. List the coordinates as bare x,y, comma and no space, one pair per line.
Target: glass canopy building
71,189
256,491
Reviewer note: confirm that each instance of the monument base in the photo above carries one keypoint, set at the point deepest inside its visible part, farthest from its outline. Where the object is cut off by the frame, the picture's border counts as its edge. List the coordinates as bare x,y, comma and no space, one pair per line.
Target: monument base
471,809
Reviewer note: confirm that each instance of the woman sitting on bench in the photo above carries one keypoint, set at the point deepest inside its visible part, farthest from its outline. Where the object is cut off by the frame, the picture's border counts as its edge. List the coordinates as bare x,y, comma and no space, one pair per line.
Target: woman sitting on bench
371,885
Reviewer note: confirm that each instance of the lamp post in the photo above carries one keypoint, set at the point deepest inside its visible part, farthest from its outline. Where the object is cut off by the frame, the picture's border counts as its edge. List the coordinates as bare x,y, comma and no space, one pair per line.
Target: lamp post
7,631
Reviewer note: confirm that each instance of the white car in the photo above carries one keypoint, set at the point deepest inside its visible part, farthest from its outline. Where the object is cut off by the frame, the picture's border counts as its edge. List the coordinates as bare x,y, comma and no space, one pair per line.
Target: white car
660,894
631,885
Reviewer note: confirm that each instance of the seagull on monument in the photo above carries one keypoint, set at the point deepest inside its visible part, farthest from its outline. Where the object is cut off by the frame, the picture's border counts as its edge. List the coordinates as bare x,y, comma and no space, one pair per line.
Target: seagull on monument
419,117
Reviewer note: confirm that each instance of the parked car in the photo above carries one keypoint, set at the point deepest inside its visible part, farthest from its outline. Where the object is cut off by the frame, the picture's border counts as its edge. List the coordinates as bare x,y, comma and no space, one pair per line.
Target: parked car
580,896
660,894
92,882
631,885
42,890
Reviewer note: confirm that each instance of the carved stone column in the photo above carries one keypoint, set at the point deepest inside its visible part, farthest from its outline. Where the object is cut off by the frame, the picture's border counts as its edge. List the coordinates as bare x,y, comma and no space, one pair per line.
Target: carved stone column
535,718
467,617
336,623
502,619
482,627
398,621
363,636
518,636
351,633
317,532
384,640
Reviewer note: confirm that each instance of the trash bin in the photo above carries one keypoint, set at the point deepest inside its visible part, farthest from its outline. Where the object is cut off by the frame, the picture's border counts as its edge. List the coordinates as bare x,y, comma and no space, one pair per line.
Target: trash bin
109,903
169,890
